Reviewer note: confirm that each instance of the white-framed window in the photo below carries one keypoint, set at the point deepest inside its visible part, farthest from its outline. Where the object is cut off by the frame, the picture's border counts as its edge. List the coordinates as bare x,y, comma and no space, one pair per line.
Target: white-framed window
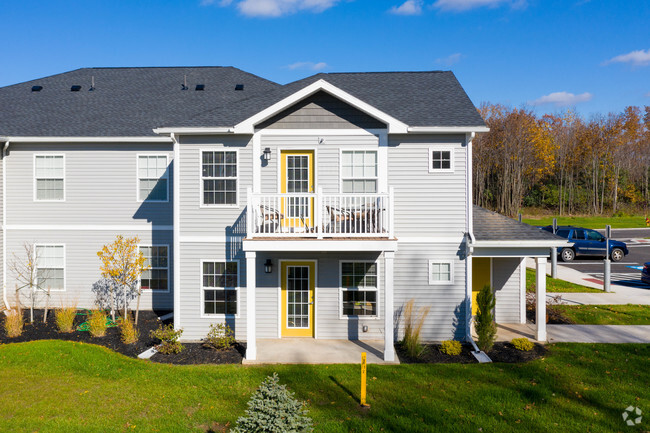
359,171
49,177
219,288
153,182
441,160
441,272
359,289
219,177
50,266
157,276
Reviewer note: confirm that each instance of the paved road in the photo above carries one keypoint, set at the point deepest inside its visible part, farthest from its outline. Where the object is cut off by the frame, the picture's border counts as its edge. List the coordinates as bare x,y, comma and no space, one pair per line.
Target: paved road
626,272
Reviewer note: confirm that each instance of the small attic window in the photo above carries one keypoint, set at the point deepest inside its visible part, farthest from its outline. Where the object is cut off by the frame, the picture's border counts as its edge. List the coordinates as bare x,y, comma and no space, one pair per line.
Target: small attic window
239,87
37,88
200,87
75,88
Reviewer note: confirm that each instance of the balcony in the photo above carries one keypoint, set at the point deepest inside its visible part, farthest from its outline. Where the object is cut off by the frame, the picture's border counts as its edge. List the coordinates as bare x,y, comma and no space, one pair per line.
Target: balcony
319,215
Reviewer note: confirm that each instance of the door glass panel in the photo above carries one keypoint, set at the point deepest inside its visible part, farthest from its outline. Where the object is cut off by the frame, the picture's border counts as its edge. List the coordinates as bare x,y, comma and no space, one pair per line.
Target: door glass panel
298,182
298,297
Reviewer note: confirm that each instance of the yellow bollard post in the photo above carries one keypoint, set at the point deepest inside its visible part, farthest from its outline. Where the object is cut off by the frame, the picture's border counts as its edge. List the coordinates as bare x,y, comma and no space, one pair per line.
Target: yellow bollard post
363,379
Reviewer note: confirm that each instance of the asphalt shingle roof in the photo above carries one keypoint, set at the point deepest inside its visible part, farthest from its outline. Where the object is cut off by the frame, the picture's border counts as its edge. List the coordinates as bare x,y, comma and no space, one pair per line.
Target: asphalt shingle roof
133,101
491,226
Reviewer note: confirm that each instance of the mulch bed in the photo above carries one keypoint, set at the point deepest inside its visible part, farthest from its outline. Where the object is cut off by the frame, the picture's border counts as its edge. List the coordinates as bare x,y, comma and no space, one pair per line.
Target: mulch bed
194,353
553,316
501,352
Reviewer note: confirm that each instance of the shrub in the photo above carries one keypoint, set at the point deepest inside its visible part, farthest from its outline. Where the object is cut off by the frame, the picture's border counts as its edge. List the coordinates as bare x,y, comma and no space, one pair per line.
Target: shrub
64,318
14,323
486,329
220,337
451,347
97,323
523,344
413,322
273,409
168,337
128,332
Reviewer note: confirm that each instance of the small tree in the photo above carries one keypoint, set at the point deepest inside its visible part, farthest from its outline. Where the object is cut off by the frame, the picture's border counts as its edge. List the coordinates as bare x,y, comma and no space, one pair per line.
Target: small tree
123,263
30,277
273,409
486,328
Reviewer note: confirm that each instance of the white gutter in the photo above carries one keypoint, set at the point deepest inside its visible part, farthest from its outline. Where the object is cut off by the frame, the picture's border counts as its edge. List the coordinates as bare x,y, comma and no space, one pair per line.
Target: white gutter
195,130
4,224
448,129
139,139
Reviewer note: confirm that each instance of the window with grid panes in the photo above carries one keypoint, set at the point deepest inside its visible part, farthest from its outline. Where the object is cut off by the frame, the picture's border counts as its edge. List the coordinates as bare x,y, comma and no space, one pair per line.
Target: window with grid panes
157,276
359,171
440,160
440,272
49,172
220,281
152,178
50,267
359,283
219,177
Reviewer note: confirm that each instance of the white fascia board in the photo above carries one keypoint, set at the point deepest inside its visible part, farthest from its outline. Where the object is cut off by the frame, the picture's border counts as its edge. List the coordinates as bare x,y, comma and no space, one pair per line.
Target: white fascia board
447,129
199,130
138,139
318,245
515,244
394,126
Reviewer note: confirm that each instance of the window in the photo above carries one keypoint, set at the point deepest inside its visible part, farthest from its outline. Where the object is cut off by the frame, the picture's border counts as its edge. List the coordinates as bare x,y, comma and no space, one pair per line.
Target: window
359,171
157,276
152,178
219,177
359,289
50,266
219,286
441,272
441,160
49,173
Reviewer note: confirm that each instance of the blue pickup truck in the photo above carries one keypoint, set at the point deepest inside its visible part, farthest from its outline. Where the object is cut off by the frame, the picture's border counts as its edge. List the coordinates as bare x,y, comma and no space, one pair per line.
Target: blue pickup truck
587,242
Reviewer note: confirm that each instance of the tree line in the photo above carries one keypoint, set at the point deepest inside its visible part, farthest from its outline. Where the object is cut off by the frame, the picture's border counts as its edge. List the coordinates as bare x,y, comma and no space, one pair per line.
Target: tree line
562,163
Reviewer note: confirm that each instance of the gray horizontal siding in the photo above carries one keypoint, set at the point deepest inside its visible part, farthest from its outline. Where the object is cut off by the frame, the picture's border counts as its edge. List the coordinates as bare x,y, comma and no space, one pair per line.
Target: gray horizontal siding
82,264
507,289
446,318
100,185
427,204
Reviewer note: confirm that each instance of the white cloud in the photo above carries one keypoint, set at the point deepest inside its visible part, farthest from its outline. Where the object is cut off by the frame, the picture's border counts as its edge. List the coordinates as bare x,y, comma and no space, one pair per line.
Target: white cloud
274,8
647,95
465,5
636,58
450,60
409,7
307,65
562,99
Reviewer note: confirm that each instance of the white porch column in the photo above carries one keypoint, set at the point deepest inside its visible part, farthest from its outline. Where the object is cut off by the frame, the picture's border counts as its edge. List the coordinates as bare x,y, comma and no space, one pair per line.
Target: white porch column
540,315
389,348
251,346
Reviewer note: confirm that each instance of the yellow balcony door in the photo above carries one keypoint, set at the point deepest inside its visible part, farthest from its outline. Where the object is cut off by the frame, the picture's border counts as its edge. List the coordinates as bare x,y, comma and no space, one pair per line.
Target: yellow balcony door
298,283
297,177
481,276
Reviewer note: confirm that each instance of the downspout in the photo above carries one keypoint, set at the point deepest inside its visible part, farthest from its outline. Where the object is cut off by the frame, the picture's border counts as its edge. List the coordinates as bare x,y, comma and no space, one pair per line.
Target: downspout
176,233
469,239
4,225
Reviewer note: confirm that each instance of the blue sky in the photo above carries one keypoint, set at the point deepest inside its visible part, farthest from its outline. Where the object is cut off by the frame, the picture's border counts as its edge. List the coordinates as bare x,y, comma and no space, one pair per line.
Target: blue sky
593,55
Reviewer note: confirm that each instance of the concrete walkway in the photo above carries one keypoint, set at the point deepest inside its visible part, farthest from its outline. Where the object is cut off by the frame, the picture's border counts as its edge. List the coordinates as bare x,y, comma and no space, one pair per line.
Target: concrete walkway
313,351
578,333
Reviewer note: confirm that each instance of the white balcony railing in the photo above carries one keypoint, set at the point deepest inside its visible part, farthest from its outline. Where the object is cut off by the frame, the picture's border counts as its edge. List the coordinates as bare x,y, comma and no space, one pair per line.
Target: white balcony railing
320,215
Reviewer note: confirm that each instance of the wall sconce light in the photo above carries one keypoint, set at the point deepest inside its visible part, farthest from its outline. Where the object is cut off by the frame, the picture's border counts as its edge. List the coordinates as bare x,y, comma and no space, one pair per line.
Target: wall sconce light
268,266
267,154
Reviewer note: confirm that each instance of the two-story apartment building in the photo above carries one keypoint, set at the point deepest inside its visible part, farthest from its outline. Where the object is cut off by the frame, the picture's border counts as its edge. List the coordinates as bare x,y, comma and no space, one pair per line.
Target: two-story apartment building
315,209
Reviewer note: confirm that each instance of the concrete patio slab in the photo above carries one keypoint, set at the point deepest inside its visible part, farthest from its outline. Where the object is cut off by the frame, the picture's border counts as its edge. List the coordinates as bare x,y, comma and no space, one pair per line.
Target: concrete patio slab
313,351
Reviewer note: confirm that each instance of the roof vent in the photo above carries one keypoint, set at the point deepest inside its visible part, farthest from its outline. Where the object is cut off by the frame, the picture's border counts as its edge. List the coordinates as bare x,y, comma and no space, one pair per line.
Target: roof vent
200,87
37,88
239,87
75,88
184,85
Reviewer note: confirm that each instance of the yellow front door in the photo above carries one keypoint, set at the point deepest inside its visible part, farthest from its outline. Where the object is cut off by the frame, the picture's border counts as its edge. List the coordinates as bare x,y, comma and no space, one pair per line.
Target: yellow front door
298,283
481,276
297,177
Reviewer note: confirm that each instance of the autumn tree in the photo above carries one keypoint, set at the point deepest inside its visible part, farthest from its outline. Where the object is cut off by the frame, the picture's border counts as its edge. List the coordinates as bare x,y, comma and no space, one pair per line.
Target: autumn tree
123,263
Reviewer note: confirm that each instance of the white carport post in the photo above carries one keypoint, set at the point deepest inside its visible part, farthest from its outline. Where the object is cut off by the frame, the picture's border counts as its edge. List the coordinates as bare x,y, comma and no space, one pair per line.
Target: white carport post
540,309
251,346
389,349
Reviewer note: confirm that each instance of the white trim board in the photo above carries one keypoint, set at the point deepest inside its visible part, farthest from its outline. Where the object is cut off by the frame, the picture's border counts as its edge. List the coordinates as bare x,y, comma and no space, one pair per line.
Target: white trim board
316,245
81,227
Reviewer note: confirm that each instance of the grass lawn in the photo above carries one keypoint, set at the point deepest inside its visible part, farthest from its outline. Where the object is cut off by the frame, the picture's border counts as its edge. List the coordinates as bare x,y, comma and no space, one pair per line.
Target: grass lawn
58,386
629,314
592,222
555,285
